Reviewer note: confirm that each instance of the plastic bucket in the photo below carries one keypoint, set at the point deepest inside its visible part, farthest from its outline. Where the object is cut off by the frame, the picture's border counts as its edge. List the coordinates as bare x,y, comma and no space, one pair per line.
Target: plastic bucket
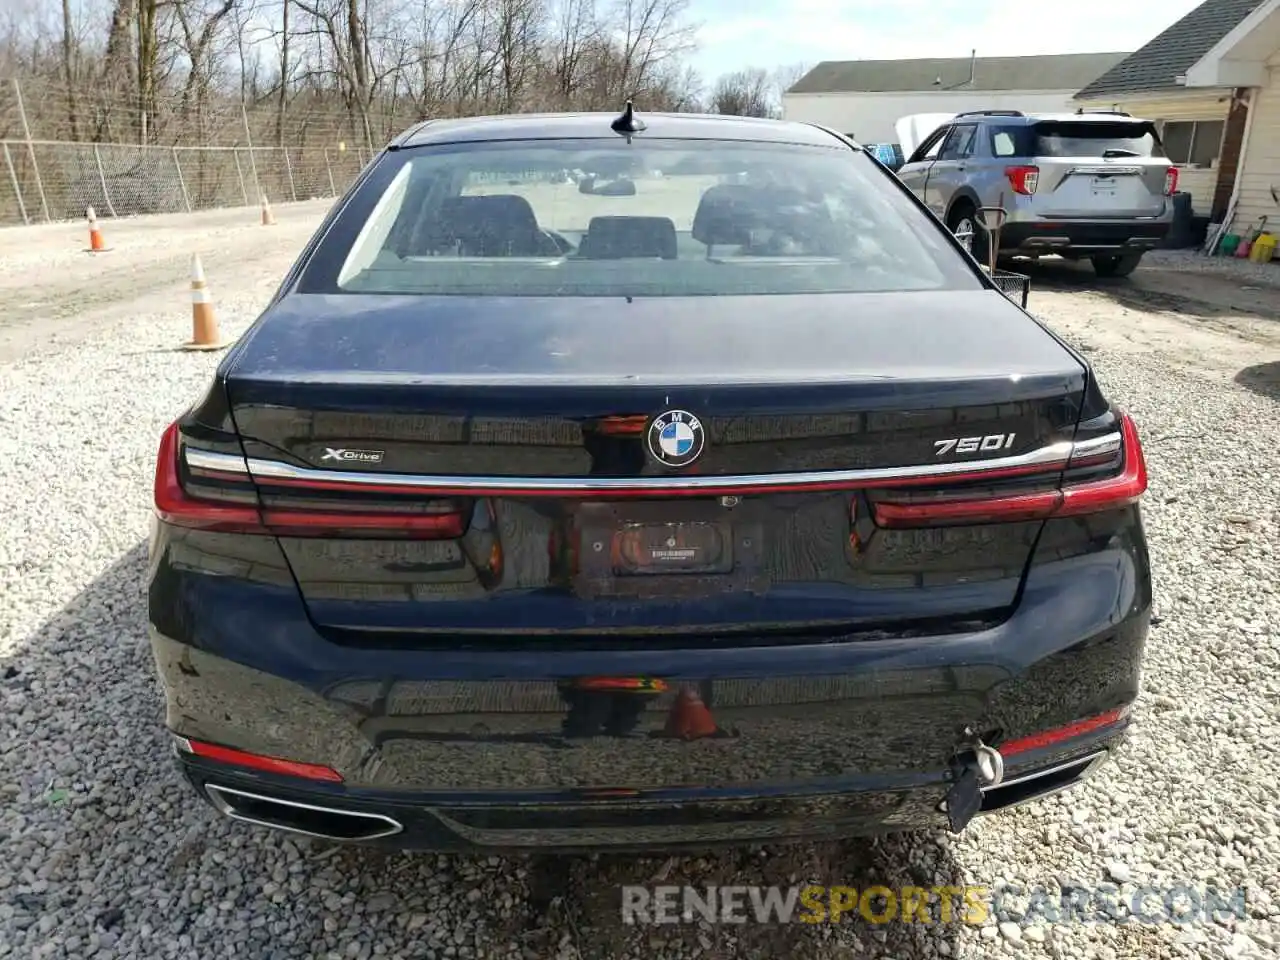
1229,243
1264,248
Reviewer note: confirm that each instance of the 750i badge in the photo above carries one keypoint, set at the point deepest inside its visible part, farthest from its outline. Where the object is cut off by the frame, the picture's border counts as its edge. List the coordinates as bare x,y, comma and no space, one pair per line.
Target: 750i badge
987,444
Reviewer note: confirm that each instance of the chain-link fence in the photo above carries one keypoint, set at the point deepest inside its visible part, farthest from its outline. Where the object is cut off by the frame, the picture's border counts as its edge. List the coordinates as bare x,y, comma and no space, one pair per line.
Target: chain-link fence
49,180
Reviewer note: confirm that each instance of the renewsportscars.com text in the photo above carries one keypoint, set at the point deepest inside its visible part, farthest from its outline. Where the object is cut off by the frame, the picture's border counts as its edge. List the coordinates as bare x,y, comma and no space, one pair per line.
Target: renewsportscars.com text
1106,903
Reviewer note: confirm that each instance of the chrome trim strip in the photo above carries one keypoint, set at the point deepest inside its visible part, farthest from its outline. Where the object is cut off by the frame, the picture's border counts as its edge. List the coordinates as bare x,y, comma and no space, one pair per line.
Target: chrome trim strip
1088,761
208,460
1095,446
1087,765
1108,171
1057,453
215,793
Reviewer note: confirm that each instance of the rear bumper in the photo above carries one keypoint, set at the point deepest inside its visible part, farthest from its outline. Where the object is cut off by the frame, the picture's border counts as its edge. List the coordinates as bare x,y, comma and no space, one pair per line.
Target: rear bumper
666,820
473,749
1083,237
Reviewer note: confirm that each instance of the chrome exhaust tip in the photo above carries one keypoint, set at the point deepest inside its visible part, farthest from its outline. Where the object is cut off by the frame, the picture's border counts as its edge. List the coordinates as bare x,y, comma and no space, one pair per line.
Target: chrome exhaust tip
1038,784
326,823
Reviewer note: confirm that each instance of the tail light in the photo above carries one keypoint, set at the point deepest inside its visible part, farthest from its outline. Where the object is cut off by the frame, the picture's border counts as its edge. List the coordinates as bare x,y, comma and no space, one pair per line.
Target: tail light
1089,487
1024,180
1170,181
228,502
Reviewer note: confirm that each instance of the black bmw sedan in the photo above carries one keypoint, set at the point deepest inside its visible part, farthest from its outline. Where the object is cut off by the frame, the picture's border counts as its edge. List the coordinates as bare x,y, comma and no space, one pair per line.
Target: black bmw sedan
647,481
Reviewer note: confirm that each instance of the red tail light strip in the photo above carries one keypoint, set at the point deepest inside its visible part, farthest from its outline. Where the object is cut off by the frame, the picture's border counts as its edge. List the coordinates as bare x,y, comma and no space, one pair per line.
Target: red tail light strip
174,505
1111,492
622,426
256,761
1028,506
1107,493
1057,735
275,473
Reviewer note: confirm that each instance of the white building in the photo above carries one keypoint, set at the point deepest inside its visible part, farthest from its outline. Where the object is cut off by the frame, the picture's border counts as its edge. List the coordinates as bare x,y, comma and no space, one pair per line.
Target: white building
864,98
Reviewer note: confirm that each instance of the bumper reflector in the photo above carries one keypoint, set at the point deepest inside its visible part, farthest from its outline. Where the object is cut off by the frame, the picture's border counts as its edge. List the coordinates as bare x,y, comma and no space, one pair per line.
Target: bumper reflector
254,761
1057,735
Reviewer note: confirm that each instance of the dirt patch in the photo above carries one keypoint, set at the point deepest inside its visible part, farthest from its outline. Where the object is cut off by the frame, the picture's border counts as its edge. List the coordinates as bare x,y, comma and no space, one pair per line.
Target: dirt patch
1199,322
53,292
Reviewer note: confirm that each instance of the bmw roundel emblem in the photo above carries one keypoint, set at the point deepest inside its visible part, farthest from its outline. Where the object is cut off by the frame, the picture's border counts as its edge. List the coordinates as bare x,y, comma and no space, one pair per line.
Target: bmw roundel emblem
676,438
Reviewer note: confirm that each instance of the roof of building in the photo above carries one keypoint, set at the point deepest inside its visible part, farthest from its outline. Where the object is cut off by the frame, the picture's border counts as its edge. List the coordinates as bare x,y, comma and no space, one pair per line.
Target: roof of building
596,126
1156,66
1065,71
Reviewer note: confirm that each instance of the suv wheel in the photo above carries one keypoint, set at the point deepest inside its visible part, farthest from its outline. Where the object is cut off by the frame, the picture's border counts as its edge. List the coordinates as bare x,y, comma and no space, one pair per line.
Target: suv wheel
963,222
1116,266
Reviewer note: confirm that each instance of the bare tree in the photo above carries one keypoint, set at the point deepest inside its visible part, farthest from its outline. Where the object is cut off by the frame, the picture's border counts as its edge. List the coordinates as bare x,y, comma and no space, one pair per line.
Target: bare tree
575,31
301,71
343,25
200,23
68,68
787,76
148,59
282,97
518,31
744,93
651,33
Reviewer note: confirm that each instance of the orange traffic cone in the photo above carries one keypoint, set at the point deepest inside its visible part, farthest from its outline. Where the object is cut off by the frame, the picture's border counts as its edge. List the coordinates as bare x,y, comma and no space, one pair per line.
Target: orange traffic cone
96,242
204,324
689,718
268,218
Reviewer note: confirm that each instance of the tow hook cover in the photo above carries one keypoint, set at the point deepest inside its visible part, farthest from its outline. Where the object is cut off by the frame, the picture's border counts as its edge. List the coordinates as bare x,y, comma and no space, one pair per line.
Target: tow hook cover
964,799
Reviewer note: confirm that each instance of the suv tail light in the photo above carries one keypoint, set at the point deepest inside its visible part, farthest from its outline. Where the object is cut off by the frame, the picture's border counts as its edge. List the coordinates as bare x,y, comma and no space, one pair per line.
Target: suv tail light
1170,181
1103,481
227,502
1023,179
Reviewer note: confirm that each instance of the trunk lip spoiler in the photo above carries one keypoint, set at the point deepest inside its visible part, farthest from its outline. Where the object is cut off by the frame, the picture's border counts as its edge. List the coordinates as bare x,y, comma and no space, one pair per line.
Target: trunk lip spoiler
1055,454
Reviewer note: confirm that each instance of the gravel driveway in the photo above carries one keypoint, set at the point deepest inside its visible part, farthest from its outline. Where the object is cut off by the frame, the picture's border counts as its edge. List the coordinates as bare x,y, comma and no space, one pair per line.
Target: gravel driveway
104,853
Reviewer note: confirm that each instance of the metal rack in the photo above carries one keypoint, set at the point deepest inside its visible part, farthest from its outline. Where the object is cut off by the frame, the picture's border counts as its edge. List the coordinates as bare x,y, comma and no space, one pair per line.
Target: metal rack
1015,286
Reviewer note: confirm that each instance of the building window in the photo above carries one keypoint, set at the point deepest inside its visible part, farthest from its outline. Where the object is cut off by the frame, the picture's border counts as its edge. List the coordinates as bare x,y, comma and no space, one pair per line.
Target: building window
1192,143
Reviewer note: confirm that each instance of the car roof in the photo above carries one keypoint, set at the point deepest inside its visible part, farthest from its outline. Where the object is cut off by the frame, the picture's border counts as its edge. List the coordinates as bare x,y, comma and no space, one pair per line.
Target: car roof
554,126
1030,118
1086,118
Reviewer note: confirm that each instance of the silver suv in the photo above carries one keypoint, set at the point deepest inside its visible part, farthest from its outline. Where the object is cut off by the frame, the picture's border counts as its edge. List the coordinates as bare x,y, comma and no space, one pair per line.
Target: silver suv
1094,185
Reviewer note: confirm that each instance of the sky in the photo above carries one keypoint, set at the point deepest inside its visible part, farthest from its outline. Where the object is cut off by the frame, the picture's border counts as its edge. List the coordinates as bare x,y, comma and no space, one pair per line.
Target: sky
779,32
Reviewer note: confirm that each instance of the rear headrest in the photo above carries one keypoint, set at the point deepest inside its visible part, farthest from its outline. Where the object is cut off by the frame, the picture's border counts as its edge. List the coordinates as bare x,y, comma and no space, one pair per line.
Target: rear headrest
494,206
729,213
616,238
485,223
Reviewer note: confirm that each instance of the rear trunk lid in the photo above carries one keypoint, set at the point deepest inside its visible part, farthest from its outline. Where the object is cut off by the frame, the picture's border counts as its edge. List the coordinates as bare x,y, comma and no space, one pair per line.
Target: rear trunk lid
529,420
1099,169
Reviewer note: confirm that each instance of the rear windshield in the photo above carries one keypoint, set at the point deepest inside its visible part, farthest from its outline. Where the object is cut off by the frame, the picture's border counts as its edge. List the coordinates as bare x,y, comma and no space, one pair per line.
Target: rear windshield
593,218
1076,138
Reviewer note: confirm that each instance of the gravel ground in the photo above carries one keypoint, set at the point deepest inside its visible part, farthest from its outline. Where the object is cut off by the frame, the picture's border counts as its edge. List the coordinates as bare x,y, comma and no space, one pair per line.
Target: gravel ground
1190,261
104,853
